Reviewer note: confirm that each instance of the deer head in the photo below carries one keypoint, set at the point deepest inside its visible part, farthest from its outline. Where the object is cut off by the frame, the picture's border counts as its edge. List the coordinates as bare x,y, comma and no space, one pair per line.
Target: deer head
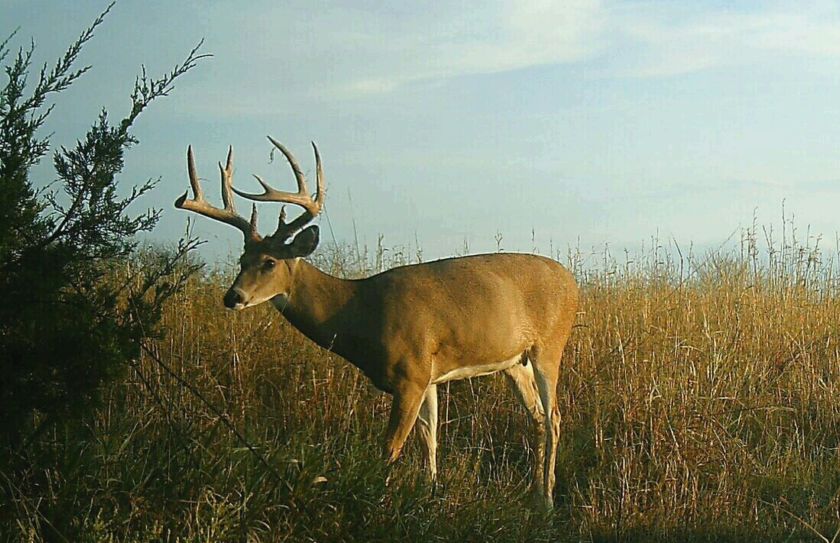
267,265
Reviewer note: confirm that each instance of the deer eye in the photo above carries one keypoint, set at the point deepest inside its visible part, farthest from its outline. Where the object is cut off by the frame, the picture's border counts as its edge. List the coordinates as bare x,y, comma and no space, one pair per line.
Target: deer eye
268,265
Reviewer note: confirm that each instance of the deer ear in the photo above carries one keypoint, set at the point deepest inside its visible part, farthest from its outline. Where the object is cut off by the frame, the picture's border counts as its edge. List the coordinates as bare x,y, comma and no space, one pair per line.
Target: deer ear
305,242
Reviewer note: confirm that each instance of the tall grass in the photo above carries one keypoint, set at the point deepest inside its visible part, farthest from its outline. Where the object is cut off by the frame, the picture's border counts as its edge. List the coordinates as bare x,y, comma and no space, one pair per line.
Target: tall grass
699,402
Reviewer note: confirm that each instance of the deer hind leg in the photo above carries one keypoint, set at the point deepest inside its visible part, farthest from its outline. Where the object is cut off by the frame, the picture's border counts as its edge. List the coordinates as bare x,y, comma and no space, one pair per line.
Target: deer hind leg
427,426
546,365
522,381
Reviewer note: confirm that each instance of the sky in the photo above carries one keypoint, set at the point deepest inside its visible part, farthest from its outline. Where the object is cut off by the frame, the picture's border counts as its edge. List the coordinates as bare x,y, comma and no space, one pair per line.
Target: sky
447,125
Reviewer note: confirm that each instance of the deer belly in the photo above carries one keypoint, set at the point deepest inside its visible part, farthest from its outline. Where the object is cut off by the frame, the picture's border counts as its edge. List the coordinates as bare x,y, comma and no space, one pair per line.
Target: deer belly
466,372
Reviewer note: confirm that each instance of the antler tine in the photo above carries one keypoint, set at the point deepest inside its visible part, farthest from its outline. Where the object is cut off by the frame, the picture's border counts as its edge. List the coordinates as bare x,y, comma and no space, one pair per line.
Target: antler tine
198,192
301,179
312,206
320,184
270,194
317,203
281,224
226,173
199,205
254,217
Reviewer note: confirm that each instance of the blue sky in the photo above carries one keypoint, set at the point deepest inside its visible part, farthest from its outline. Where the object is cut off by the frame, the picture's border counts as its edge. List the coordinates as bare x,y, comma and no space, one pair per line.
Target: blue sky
584,122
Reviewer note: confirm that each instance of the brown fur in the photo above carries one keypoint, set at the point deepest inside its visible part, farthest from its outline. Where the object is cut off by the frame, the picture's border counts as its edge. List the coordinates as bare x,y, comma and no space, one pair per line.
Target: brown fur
407,326
411,327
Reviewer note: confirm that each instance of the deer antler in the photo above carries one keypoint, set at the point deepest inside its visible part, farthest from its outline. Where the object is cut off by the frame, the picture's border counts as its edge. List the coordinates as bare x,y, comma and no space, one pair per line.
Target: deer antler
312,206
228,215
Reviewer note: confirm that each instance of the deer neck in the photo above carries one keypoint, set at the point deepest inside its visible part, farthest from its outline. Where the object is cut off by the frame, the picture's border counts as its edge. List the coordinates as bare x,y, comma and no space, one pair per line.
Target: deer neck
316,302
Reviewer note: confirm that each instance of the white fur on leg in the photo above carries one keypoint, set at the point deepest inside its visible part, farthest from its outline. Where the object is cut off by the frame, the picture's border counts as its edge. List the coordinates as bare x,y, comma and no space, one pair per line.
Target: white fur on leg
427,425
547,398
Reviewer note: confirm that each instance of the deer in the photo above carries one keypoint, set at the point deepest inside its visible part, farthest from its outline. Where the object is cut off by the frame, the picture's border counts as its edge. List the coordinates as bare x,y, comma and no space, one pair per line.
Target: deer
413,327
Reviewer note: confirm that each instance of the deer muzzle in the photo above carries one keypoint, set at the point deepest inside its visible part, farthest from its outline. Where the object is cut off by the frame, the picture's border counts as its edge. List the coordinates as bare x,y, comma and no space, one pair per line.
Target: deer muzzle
234,298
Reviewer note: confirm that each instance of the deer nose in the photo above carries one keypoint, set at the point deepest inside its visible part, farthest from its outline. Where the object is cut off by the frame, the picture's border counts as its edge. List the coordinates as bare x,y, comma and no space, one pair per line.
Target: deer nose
233,297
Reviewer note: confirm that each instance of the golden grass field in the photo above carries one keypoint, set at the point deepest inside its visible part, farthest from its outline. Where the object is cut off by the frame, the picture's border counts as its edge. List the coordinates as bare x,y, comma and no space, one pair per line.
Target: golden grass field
700,401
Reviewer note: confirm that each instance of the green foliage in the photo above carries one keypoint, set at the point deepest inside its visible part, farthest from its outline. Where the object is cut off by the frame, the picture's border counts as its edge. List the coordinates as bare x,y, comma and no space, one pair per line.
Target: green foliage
71,318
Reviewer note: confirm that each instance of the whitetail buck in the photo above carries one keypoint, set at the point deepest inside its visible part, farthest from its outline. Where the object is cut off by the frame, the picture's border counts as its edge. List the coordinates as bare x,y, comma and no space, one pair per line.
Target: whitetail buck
413,327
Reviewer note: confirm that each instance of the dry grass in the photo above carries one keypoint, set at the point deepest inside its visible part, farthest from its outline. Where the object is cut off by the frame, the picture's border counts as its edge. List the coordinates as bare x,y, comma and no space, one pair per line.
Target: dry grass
699,403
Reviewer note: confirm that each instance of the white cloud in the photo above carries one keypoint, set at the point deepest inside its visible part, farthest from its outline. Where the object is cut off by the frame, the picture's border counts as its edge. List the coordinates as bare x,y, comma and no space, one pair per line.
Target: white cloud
337,51
811,33
313,55
504,37
652,40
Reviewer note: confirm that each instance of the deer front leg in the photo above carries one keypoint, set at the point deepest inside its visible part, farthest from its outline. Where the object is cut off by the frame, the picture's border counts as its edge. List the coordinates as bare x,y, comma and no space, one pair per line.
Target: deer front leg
408,396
